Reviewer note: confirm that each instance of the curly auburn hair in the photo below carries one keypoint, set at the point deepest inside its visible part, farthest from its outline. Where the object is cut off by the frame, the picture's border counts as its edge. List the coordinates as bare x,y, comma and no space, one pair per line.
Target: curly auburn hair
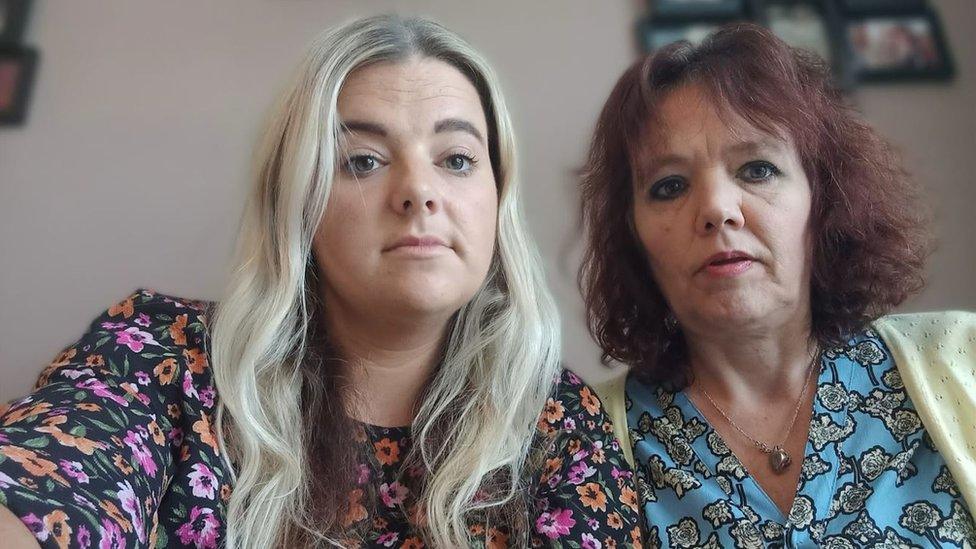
870,237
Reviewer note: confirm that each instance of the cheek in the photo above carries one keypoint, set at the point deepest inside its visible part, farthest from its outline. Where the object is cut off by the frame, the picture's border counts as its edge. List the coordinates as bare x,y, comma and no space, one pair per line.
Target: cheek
342,234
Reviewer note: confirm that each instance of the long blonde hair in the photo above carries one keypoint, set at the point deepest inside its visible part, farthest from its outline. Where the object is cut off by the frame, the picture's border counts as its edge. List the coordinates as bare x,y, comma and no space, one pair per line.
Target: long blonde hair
476,424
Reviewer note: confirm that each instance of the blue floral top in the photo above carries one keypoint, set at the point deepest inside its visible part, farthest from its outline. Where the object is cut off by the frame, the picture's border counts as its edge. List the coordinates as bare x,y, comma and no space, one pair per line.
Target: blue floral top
871,476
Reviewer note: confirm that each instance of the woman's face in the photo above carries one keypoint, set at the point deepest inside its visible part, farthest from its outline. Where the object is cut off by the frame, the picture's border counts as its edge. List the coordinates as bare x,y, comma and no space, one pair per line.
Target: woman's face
410,224
723,214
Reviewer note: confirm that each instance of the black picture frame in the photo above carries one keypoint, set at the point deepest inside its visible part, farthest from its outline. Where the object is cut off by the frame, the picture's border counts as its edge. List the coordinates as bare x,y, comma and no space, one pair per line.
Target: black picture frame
862,7
698,10
17,68
897,47
813,25
13,20
654,34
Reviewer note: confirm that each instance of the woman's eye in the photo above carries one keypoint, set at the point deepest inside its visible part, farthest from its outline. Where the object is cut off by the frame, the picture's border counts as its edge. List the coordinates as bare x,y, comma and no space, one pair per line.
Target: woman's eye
459,163
668,188
362,164
758,171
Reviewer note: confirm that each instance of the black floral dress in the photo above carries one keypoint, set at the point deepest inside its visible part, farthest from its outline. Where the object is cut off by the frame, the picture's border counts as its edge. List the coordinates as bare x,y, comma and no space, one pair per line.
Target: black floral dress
870,476
116,448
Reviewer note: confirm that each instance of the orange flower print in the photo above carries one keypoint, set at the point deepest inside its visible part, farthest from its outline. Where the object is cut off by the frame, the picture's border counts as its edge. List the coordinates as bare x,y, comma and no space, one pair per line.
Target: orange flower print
32,463
476,529
574,446
629,497
176,330
116,515
28,482
592,496
23,413
635,538
496,539
614,521
125,309
599,456
553,411
173,411
225,492
121,464
56,522
412,542
355,511
203,427
196,360
165,370
387,451
88,406
157,433
609,543
94,361
86,445
589,401
64,358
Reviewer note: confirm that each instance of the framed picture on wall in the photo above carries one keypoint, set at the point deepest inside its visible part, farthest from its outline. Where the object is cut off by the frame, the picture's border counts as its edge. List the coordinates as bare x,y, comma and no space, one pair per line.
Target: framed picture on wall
656,34
881,6
16,77
697,9
801,24
891,47
13,19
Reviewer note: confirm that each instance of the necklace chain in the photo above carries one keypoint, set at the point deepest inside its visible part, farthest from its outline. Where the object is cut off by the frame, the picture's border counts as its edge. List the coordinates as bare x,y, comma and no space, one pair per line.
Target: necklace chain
765,448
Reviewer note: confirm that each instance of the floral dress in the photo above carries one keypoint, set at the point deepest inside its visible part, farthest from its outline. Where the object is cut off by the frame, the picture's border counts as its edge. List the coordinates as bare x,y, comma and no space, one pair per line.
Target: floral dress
871,476
116,448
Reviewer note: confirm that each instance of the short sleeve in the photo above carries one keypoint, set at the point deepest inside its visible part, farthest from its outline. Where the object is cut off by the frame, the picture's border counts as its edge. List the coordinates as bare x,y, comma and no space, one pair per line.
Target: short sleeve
586,495
88,457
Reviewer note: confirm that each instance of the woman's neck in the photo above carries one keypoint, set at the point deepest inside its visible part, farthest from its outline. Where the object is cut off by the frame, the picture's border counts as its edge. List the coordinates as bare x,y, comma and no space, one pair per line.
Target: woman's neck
387,364
761,365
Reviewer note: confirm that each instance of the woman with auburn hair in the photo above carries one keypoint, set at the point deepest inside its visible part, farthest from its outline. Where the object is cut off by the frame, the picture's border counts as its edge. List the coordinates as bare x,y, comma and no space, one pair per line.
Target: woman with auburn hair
747,235
383,369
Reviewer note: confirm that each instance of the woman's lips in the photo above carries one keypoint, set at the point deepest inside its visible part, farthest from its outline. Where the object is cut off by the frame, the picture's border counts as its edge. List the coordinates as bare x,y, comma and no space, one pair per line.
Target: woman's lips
418,247
728,264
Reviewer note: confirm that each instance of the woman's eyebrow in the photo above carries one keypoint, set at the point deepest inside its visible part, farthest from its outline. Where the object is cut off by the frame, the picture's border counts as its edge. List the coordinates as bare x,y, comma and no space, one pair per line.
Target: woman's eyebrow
359,126
458,125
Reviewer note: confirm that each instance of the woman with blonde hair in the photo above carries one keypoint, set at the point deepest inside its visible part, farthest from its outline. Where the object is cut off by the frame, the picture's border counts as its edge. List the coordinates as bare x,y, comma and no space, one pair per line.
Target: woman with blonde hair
383,369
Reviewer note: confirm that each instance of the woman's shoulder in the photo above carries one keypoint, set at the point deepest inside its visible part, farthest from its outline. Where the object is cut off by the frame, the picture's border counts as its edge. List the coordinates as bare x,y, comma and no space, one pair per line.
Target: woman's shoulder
574,406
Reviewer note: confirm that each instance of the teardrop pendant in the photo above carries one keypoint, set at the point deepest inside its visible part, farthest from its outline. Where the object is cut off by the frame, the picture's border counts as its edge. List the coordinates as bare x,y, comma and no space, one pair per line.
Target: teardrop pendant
779,460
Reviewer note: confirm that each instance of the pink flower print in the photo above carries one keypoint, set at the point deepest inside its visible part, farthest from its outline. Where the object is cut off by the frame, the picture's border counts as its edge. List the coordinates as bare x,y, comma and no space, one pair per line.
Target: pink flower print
140,452
130,504
74,470
388,539
618,474
3,440
590,542
75,374
36,526
207,395
82,501
113,325
393,494
83,538
569,424
102,390
555,524
203,481
201,530
111,535
362,474
142,378
142,319
134,338
573,378
580,472
7,482
188,388
592,523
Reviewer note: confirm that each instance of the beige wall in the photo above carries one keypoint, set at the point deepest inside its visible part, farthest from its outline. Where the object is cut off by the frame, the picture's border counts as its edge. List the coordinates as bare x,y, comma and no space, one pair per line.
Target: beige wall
133,166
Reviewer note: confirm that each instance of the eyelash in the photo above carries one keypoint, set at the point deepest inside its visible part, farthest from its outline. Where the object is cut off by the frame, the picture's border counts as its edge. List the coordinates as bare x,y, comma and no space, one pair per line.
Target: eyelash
349,165
658,187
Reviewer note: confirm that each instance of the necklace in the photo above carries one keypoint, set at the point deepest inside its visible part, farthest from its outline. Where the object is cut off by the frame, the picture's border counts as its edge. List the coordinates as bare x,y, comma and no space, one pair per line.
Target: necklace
779,458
